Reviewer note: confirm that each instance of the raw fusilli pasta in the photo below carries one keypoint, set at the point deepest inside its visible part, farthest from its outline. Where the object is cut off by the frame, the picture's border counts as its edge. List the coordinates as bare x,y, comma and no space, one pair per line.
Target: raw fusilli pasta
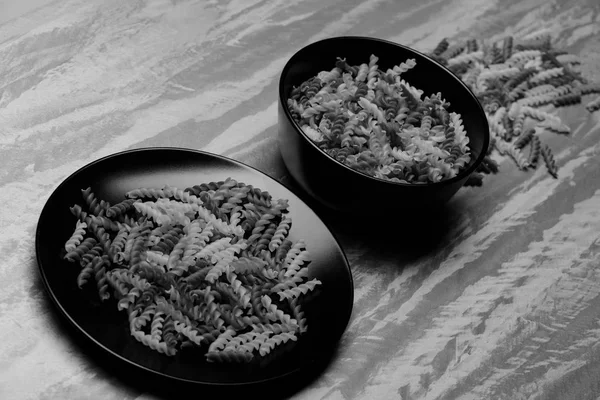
512,80
385,128
187,277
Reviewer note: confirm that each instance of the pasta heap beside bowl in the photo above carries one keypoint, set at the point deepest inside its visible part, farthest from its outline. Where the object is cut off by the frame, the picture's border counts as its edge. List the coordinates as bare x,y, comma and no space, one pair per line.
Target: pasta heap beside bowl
377,123
208,266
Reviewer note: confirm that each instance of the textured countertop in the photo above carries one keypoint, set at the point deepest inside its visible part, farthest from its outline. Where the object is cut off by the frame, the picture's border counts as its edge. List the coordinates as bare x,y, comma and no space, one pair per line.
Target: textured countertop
506,306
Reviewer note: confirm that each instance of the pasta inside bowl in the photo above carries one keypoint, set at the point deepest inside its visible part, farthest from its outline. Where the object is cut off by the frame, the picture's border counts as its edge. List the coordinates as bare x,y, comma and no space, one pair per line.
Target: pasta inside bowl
377,123
363,119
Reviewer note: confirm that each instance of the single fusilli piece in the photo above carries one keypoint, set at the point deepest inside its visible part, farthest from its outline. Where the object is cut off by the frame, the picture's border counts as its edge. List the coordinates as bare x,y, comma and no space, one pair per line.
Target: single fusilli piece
549,161
76,237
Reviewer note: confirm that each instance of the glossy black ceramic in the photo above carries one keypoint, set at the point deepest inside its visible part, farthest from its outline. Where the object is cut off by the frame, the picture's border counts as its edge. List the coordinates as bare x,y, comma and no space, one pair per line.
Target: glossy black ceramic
328,310
342,188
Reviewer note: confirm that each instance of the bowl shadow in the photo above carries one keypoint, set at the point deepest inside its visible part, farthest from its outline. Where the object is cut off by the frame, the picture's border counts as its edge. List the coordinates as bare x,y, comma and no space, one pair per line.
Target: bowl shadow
409,233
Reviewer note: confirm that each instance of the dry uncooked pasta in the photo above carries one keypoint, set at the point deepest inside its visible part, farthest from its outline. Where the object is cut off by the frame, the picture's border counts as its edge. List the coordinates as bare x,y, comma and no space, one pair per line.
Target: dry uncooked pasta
519,82
209,266
377,123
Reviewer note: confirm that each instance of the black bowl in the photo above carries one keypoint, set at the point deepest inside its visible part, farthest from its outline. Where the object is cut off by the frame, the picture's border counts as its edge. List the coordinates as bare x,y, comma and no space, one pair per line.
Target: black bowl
342,188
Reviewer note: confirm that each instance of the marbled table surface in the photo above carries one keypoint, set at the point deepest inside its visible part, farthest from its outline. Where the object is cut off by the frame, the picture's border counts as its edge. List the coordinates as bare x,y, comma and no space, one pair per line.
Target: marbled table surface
507,307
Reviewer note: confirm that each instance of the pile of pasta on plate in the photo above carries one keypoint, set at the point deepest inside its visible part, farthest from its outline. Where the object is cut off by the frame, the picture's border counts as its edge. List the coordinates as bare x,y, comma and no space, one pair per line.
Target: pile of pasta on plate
209,266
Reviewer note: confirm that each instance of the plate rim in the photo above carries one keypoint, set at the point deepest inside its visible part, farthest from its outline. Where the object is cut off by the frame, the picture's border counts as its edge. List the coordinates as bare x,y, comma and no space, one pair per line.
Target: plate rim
38,233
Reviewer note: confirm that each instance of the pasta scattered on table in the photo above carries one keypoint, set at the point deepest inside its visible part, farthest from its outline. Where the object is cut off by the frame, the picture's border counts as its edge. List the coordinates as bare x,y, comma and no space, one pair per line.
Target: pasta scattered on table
519,82
377,123
211,266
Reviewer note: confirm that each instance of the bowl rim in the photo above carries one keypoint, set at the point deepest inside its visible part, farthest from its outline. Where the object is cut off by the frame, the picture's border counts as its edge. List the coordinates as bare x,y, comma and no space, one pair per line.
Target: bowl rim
462,175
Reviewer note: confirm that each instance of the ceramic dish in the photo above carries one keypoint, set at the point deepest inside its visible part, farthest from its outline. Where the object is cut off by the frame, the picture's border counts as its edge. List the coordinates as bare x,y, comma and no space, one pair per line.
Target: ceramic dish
107,328
337,185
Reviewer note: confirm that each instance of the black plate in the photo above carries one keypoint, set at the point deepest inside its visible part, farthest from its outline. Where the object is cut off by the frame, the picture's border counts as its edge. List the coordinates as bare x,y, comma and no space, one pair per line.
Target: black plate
328,312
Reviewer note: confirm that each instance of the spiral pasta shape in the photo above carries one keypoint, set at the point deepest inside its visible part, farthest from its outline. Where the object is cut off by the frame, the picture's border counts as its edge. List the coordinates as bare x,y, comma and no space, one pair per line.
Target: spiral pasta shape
153,343
518,157
296,291
276,340
549,160
274,313
81,250
520,76
120,208
567,99
441,47
298,315
187,277
76,237
280,233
